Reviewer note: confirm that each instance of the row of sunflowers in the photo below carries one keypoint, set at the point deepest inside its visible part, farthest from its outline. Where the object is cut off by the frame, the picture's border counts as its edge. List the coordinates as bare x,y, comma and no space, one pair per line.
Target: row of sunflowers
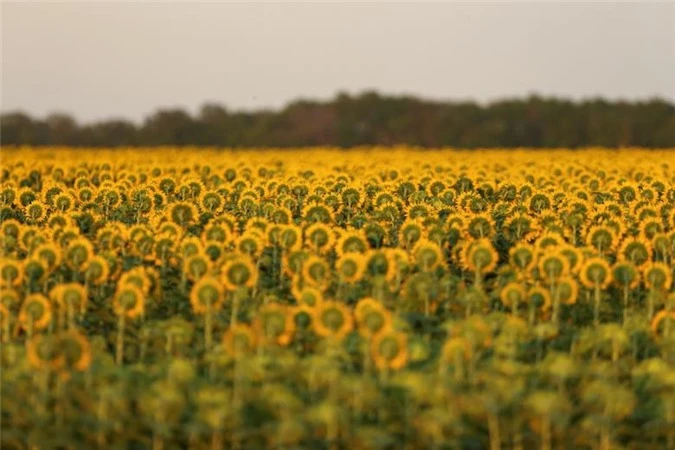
316,298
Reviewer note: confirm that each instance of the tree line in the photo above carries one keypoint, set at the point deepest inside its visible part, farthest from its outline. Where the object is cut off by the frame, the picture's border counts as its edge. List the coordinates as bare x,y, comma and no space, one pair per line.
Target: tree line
370,119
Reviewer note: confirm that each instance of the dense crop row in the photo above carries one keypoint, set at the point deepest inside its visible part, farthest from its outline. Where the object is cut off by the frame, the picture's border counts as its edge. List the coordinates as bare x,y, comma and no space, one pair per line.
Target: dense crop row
321,299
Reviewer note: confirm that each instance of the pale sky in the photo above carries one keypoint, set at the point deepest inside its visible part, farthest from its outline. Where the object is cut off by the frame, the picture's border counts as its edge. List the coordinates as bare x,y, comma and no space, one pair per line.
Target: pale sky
105,59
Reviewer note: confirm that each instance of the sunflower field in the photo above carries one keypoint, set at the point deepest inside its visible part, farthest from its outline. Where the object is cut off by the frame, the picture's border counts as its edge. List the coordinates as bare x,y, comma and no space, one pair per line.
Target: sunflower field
325,299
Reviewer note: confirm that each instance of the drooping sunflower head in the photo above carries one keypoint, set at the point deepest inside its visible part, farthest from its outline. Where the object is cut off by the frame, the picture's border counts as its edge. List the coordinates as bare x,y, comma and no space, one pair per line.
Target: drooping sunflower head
76,351
319,238
317,272
290,238
239,272
183,213
657,276
637,250
97,270
371,317
595,272
333,319
129,301
512,295
480,255
389,350
11,272
36,312
566,289
197,266
411,231
207,293
428,256
352,241
239,339
250,243
36,212
78,253
309,296
351,267
625,274
45,352
274,324
553,265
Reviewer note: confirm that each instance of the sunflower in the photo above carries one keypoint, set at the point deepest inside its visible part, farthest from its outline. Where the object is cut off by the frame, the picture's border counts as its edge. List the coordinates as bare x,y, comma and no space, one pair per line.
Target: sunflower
480,226
314,213
207,293
138,278
319,238
512,295
351,241
595,272
211,201
75,350
45,352
97,270
662,316
351,267
539,297
389,349
553,265
657,276
566,290
635,249
602,238
371,317
625,275
411,231
129,301
239,272
290,238
35,313
480,256
78,253
250,243
274,324
70,297
217,232
316,272
36,212
239,339
332,319
308,295
183,213
427,255
197,266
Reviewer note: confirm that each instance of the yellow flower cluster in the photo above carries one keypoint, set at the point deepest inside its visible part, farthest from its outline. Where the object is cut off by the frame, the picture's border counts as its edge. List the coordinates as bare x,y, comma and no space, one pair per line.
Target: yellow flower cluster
316,250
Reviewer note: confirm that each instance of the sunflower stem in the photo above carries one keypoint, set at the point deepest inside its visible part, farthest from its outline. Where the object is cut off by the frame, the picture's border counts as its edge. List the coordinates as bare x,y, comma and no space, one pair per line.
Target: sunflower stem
119,354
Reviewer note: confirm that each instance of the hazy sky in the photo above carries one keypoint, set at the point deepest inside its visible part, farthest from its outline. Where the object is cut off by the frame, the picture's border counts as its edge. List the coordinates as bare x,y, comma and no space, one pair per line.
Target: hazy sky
100,60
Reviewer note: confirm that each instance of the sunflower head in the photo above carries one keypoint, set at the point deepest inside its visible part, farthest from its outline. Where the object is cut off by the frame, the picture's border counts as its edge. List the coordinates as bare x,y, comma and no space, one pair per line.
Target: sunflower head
553,265
351,267
657,276
239,272
637,250
512,295
183,213
566,289
207,293
274,324
595,272
129,301
317,272
76,351
389,349
480,255
197,266
319,238
372,317
353,241
239,340
625,274
72,295
427,255
78,253
332,319
36,312
45,352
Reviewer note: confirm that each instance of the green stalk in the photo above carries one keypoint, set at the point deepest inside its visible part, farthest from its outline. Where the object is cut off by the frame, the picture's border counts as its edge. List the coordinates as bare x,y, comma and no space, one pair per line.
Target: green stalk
119,354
